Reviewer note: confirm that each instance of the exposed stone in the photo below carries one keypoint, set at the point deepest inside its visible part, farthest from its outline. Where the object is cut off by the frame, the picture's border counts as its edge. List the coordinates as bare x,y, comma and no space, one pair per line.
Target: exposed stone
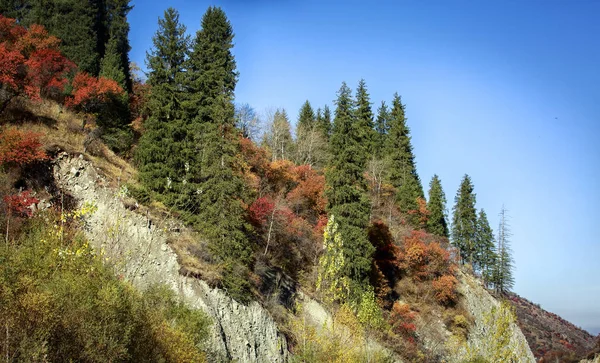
240,333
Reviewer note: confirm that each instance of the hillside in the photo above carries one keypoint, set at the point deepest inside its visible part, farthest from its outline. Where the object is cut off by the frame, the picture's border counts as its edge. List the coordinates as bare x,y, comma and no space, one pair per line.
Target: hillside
549,335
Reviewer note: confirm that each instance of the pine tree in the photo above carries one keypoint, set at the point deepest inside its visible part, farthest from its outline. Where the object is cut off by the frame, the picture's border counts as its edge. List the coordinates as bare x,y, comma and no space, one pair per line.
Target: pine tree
74,22
221,217
116,29
402,167
485,249
325,124
159,150
381,128
436,206
111,66
364,121
306,117
464,220
346,187
503,279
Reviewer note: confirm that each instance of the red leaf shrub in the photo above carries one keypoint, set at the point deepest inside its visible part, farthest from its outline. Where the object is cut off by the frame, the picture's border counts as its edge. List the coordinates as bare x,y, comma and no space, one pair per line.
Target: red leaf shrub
90,92
20,204
402,320
20,148
260,210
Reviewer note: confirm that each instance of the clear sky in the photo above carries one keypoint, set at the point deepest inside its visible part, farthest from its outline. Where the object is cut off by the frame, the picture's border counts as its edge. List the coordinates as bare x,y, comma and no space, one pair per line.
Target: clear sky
506,91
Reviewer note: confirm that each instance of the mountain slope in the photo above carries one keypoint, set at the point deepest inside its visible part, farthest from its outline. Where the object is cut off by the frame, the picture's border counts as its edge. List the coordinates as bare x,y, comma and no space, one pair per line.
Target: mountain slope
549,335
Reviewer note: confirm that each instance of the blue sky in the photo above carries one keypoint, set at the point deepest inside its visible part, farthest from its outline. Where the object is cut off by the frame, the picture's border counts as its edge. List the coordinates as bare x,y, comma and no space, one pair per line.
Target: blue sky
506,91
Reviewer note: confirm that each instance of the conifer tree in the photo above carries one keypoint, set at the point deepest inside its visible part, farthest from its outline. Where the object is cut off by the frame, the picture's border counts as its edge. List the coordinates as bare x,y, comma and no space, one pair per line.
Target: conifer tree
485,249
346,187
503,279
402,167
464,220
364,120
116,29
222,190
306,117
159,150
436,206
111,66
325,124
381,128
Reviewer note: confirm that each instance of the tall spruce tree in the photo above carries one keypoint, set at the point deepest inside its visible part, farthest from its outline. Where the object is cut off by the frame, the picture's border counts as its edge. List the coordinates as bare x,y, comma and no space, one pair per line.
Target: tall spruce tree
503,279
116,29
402,167
111,66
325,124
346,187
159,150
306,117
213,66
364,120
485,249
436,206
464,220
381,128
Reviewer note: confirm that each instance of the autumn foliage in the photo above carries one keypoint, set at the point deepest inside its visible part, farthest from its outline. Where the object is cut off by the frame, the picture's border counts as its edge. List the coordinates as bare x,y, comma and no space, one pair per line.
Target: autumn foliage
90,92
19,147
402,321
445,289
20,204
32,64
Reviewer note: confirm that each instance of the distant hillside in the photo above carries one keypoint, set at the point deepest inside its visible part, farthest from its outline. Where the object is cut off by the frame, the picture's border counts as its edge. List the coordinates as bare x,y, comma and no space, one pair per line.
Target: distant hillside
549,335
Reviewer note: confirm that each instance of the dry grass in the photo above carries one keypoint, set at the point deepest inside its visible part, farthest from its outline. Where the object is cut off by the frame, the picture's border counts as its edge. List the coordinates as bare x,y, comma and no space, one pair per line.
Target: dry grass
62,131
193,258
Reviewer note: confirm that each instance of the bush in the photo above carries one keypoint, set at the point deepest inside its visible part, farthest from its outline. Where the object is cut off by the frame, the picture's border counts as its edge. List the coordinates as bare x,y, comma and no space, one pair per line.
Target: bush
58,302
445,289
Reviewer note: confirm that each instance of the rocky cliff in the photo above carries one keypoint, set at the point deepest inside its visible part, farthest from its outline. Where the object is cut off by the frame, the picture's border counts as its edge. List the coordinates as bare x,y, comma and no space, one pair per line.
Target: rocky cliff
137,246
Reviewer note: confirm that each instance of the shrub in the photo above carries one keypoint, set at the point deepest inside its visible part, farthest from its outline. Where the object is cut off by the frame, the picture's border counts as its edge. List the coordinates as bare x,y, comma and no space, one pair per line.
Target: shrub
445,289
20,148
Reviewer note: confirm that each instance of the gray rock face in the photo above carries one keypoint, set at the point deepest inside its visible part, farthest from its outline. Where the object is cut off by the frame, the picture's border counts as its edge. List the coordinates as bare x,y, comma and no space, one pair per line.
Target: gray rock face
137,246
479,302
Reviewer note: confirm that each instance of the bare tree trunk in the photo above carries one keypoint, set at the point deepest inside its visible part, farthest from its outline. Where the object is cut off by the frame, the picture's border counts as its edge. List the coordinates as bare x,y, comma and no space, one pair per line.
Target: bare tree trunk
270,228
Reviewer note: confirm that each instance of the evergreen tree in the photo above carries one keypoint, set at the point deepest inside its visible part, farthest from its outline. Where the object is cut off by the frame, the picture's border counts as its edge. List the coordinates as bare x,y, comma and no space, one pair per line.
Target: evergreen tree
402,167
306,117
159,151
115,28
485,249
436,206
111,66
325,124
213,67
381,128
346,187
503,279
464,220
364,121
74,22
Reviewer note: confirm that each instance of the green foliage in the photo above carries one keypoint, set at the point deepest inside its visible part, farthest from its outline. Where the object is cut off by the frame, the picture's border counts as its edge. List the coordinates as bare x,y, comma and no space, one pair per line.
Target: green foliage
159,153
382,128
306,118
111,66
364,122
346,187
331,280
324,122
368,311
485,258
58,302
496,343
464,220
502,276
436,205
401,160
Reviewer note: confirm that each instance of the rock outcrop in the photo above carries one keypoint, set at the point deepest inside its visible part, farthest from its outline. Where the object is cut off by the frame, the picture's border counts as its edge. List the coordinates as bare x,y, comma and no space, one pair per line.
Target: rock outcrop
137,245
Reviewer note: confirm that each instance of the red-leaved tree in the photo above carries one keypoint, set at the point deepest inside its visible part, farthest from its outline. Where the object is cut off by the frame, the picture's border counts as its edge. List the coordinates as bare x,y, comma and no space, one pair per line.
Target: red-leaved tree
90,93
20,204
20,148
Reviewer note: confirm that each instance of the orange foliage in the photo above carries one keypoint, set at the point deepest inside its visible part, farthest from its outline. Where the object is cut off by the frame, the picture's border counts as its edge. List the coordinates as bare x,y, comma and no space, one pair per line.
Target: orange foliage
445,289
20,148
89,92
47,71
424,260
308,193
402,320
